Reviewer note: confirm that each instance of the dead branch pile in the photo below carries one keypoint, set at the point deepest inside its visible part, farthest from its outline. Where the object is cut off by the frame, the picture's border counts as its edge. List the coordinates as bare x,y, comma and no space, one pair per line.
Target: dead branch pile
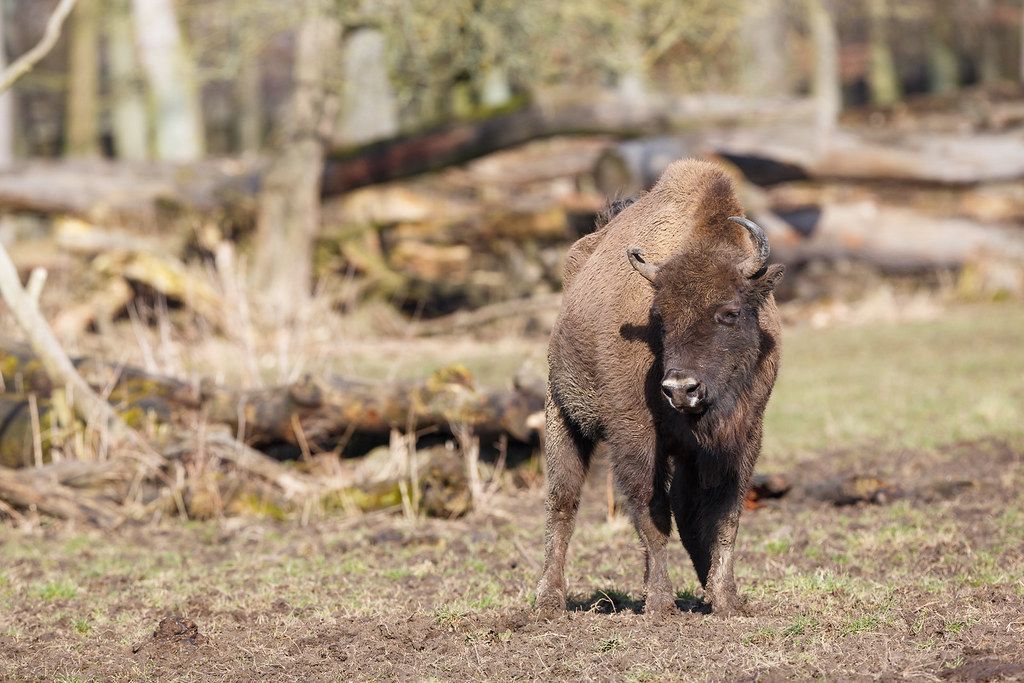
314,412
312,415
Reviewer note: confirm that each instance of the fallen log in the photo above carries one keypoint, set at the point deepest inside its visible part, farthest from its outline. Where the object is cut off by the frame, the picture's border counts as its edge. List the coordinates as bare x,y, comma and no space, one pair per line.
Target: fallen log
768,156
320,412
130,194
898,240
842,491
465,321
435,481
778,154
546,115
27,491
996,203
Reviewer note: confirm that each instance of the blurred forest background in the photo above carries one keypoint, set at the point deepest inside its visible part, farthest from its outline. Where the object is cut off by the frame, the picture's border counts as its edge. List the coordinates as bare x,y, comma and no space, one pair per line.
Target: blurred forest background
267,228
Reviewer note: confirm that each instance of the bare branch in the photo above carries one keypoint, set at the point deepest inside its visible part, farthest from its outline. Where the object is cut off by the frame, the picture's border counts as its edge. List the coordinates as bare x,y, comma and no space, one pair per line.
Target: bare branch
27,61
58,366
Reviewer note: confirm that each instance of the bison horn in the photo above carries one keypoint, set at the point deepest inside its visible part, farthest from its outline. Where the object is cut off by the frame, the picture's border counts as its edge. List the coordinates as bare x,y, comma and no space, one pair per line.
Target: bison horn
636,259
754,264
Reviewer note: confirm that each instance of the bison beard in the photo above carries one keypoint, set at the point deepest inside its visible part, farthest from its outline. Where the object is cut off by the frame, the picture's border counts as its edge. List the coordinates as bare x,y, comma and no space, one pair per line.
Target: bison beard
704,329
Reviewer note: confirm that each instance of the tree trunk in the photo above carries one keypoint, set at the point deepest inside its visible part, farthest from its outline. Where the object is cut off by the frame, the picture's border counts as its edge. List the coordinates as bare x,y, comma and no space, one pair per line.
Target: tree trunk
764,35
883,80
289,212
633,76
1021,74
495,90
6,102
249,103
369,111
128,109
828,93
988,68
943,63
172,81
82,113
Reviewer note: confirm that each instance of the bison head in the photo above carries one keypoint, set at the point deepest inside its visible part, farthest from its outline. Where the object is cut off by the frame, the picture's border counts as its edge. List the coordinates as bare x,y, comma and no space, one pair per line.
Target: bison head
707,302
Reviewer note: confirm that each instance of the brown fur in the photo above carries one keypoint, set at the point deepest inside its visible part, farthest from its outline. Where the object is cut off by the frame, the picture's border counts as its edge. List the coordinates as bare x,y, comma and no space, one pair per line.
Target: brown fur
615,336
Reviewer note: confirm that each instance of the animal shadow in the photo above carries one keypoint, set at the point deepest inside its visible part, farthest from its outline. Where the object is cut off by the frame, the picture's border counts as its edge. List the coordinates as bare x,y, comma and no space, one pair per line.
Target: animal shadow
612,601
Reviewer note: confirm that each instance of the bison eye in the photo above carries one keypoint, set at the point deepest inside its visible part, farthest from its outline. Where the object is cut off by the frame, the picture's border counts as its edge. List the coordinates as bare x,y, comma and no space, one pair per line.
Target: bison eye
728,316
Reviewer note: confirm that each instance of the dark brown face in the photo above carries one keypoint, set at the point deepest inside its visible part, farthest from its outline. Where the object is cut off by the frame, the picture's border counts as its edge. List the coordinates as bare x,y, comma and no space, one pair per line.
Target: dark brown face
711,334
707,303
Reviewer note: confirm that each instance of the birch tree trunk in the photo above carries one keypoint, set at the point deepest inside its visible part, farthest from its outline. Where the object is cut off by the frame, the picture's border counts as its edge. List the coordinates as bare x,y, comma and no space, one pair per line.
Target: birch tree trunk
82,114
943,62
172,81
883,80
988,67
289,211
1021,74
369,111
249,100
128,108
828,93
764,35
495,89
6,102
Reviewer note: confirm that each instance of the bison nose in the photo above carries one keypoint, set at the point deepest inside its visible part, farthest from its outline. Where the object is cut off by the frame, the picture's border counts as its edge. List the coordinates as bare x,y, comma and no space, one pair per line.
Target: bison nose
683,391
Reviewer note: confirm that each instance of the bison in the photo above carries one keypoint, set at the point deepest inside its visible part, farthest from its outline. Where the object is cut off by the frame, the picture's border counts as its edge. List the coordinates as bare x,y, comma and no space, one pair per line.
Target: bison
666,349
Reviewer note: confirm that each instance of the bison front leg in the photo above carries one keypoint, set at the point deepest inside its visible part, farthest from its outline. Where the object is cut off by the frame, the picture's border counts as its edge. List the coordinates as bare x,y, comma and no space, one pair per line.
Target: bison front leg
567,455
708,519
642,481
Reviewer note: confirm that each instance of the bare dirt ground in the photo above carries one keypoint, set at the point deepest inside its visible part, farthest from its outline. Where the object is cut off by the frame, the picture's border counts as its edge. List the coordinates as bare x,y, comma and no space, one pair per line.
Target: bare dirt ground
929,586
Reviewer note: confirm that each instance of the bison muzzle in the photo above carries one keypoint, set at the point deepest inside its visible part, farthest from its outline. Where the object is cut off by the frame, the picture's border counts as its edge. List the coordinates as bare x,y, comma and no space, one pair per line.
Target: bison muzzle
666,350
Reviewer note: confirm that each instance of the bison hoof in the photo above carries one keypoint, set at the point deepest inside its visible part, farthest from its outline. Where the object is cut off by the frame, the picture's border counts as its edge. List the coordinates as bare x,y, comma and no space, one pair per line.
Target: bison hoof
660,604
730,606
550,604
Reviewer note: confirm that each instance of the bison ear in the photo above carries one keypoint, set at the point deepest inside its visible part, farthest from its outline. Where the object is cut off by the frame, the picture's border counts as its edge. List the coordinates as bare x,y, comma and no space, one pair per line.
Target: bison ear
636,259
766,282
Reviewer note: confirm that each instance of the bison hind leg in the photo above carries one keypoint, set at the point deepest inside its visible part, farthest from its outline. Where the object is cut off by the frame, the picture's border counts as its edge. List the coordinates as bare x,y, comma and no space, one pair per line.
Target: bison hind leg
641,475
567,455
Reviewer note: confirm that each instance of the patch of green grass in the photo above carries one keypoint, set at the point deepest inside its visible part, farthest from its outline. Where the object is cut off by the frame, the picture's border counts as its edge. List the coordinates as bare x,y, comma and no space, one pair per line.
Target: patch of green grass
688,594
609,644
446,615
777,546
813,552
891,384
352,565
483,602
640,674
821,581
396,573
82,626
955,627
868,622
800,626
69,678
58,590
73,545
765,634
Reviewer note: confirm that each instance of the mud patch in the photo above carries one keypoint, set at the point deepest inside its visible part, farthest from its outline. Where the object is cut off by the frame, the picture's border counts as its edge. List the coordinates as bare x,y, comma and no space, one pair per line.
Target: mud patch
986,669
172,633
